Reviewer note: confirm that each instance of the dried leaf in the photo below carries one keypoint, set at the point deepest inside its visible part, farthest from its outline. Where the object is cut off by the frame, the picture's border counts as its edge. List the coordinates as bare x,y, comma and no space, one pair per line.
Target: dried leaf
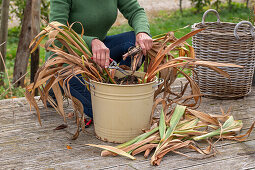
68,147
144,148
204,117
230,125
60,127
114,150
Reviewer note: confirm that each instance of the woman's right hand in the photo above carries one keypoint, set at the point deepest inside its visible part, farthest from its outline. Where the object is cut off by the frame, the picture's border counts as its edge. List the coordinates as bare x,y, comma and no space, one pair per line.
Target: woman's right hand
101,54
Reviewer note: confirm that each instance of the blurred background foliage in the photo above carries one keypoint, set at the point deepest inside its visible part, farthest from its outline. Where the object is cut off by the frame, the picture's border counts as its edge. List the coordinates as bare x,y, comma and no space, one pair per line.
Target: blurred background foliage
18,6
161,22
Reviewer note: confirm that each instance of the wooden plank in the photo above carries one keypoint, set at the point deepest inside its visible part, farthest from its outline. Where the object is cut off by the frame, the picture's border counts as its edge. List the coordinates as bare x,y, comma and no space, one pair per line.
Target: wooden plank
32,126
237,151
53,120
242,162
25,144
55,143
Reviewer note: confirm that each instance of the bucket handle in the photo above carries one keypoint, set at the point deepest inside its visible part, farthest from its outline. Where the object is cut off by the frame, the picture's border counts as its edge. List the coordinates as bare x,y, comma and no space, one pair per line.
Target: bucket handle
241,23
86,82
211,10
160,81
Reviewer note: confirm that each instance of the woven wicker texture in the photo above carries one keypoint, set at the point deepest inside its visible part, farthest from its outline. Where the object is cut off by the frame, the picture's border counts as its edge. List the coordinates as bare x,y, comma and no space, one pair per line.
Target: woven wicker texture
218,43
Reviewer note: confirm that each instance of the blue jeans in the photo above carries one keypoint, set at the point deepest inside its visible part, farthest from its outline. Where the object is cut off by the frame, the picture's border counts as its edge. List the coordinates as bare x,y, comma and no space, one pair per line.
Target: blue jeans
118,45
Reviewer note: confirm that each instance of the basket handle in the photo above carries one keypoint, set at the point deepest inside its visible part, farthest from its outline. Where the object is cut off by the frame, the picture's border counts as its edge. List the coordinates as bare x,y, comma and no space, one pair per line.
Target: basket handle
241,23
211,10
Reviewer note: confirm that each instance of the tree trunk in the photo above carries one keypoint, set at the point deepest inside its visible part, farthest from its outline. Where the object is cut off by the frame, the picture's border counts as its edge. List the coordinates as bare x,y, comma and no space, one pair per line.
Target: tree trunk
35,57
23,52
3,35
230,5
217,5
253,14
247,3
180,5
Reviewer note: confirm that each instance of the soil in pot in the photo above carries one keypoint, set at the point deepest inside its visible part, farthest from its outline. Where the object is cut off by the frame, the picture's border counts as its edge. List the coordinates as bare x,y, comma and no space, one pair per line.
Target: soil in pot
127,80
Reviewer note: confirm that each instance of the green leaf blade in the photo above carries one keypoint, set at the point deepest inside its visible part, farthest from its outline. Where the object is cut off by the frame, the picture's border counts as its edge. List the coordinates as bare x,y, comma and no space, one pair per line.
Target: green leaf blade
162,125
178,113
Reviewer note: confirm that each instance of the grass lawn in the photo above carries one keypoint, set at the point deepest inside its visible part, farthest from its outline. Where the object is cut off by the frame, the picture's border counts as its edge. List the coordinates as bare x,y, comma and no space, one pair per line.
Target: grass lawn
163,22
166,21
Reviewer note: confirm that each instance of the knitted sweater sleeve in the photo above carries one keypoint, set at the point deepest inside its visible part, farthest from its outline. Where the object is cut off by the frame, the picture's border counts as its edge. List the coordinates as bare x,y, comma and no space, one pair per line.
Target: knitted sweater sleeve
135,15
59,11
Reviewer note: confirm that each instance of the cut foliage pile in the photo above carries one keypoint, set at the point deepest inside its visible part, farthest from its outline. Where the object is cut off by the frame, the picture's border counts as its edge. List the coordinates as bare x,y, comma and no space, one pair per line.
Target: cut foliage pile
180,128
71,56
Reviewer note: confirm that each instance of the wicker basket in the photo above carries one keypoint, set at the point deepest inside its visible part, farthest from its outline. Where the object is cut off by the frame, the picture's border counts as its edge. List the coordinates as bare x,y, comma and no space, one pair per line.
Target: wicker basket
227,43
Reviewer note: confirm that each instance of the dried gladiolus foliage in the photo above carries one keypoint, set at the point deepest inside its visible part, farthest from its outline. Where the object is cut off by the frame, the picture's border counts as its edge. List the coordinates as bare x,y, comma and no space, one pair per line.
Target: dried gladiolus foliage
183,126
180,128
170,57
71,56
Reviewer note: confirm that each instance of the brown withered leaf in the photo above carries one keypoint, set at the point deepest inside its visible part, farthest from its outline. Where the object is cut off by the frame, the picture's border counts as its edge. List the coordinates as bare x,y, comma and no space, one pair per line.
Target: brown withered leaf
60,127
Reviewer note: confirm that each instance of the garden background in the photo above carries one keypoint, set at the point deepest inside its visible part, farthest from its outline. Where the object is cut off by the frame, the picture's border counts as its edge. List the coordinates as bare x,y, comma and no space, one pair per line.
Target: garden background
27,18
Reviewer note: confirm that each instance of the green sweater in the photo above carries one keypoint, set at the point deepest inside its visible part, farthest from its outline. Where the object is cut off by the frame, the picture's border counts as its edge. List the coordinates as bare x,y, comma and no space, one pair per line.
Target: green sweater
97,16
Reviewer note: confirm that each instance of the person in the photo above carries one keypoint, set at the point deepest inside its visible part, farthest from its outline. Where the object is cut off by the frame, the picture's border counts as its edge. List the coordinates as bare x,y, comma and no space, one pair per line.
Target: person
97,17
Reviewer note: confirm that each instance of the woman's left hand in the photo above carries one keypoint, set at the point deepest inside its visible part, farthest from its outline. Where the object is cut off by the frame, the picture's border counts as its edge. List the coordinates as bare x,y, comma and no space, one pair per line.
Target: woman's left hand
144,41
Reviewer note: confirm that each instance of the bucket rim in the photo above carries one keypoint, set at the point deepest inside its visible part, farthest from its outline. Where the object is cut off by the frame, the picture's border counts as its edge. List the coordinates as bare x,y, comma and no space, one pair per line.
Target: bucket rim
121,85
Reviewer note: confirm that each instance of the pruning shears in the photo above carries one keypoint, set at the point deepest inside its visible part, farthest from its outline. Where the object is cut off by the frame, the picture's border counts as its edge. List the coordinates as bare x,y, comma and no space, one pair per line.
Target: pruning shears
114,65
87,124
132,51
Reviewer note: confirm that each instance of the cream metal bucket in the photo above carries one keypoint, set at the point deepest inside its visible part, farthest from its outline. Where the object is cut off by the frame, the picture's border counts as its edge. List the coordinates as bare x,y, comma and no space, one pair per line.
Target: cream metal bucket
120,112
